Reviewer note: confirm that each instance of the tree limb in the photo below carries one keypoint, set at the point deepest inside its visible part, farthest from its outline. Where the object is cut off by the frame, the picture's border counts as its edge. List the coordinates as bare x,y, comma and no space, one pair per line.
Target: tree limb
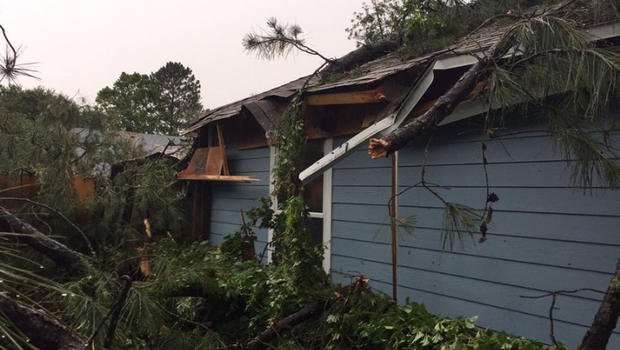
118,306
42,331
76,263
358,57
606,318
307,312
446,104
63,216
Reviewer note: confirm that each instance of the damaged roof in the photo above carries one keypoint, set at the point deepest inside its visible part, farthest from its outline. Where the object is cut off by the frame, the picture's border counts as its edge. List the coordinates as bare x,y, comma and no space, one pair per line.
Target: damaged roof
368,73
267,106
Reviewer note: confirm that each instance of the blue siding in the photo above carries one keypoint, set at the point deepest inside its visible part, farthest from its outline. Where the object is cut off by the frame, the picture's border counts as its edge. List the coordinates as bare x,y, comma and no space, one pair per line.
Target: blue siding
229,198
546,235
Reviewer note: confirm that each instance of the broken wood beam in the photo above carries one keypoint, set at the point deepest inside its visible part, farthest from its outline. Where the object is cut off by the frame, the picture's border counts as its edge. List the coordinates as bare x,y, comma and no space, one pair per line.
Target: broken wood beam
343,98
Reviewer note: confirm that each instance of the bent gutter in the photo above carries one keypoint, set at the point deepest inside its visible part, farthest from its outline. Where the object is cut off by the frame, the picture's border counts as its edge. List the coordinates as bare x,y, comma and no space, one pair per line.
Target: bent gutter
464,110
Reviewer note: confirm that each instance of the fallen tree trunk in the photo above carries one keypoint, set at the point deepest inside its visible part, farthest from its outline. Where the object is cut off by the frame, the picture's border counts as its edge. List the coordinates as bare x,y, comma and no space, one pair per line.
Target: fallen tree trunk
307,312
444,106
42,331
358,57
606,318
75,262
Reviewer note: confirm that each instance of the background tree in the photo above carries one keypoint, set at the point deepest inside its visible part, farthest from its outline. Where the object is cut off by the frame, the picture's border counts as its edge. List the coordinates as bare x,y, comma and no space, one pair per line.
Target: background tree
132,102
179,97
161,102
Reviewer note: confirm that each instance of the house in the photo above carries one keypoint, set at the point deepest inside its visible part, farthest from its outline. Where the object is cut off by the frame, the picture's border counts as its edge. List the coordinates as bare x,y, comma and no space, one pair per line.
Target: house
546,234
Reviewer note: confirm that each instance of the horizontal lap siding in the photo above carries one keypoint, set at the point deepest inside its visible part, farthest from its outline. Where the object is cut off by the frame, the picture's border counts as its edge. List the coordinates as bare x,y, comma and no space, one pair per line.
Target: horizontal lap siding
545,235
230,198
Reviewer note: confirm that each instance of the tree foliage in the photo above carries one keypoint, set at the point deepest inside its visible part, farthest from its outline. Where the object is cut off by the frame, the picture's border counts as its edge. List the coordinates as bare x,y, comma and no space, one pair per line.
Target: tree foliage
199,296
50,136
179,97
161,102
424,26
132,102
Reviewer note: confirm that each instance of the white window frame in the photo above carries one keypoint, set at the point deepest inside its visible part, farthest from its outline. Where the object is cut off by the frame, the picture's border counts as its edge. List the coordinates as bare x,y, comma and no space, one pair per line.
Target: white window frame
326,214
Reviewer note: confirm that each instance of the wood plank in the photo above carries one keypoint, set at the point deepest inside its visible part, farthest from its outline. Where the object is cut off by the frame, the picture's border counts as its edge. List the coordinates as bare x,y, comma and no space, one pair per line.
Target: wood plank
221,146
342,98
555,174
515,273
233,190
569,255
225,178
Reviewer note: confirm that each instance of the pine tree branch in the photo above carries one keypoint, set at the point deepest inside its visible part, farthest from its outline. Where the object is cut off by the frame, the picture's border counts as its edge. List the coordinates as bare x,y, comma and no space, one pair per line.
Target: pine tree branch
42,331
562,51
118,306
73,261
552,307
63,216
6,38
307,312
446,104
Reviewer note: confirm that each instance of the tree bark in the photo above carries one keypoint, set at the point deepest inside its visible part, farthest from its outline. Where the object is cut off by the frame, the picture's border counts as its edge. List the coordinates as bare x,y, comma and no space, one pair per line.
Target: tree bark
606,318
41,330
307,312
117,311
286,323
76,263
444,106
358,57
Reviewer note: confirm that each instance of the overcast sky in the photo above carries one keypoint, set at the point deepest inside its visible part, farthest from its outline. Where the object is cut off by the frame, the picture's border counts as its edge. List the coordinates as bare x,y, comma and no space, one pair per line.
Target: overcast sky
80,46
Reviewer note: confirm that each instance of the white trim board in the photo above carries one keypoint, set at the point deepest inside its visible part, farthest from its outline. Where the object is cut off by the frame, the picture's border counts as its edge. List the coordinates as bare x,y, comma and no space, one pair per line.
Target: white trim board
325,215
464,110
327,209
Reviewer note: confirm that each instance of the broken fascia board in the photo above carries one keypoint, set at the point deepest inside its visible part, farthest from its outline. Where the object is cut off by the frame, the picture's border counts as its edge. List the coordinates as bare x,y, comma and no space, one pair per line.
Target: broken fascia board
462,111
389,123
604,31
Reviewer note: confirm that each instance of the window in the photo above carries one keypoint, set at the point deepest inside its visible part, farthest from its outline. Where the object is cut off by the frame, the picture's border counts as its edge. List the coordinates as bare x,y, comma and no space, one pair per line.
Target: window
317,195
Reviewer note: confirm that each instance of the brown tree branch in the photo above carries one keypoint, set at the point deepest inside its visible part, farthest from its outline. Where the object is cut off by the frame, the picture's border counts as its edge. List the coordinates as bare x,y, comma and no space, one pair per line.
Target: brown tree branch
57,212
307,312
606,318
76,263
358,57
553,296
446,104
118,306
42,331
